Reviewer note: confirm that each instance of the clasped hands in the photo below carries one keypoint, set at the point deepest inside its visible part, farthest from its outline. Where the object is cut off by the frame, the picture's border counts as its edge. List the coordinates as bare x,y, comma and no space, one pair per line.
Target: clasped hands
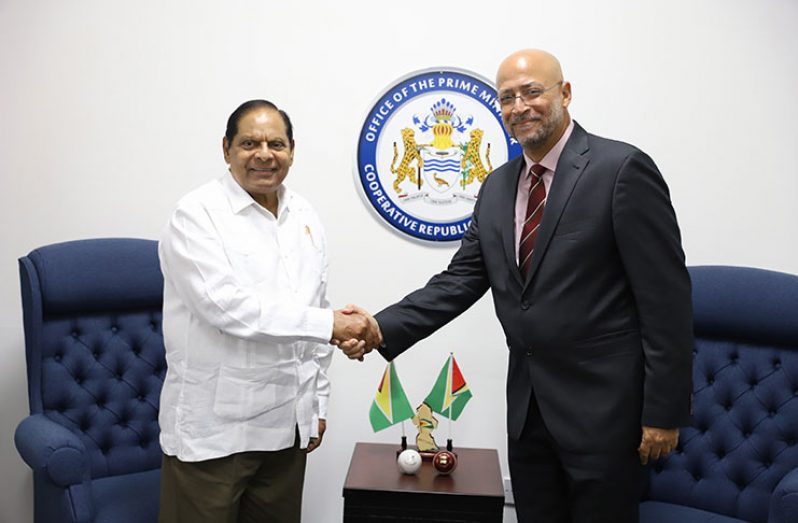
355,332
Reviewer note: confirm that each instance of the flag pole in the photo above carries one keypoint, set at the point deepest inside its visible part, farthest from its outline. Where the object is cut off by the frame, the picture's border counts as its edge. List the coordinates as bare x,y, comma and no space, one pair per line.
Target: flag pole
449,440
451,366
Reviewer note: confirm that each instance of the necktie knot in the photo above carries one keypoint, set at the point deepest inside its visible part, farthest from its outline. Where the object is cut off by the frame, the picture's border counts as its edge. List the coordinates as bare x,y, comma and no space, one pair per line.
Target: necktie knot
537,170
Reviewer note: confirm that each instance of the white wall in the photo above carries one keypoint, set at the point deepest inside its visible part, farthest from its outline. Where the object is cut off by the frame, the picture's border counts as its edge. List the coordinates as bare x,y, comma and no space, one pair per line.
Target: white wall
110,111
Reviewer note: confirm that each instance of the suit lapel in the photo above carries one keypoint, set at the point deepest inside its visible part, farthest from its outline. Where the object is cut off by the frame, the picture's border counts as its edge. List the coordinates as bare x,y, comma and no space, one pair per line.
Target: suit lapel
510,189
573,160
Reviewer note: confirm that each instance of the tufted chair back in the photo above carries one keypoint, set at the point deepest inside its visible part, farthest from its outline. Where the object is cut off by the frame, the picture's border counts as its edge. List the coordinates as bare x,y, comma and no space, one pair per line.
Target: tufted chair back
740,457
95,363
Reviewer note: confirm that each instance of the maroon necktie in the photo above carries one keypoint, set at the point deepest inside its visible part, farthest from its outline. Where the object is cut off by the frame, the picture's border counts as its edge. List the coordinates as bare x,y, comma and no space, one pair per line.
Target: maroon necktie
534,212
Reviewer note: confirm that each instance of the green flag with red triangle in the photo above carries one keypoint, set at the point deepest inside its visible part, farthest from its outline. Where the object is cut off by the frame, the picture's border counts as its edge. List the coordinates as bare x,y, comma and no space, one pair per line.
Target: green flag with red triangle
450,393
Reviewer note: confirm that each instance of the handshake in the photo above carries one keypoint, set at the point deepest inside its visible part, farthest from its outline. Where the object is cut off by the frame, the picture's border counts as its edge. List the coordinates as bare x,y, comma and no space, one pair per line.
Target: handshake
355,332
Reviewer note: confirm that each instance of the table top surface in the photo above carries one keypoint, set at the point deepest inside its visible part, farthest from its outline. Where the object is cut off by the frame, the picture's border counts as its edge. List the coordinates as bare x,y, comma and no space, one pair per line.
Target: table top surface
373,467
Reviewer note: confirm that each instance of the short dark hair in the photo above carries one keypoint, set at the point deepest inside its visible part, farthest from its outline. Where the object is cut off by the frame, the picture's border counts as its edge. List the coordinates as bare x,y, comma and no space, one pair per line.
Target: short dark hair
244,108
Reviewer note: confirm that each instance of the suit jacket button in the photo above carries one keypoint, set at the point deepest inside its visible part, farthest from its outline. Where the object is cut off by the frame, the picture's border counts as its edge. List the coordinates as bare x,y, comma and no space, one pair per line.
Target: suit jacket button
529,352
524,305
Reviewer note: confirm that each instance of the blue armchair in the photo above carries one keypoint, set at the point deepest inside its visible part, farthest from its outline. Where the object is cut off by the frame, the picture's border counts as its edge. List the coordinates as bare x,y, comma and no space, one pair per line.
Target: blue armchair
739,460
95,363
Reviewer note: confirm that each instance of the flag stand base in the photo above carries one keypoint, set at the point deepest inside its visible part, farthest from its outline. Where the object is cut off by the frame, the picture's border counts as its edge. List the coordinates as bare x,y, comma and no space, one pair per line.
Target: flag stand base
426,455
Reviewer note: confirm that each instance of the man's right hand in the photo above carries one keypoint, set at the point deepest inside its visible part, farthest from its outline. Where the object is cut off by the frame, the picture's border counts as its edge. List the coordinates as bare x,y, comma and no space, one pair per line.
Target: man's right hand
355,332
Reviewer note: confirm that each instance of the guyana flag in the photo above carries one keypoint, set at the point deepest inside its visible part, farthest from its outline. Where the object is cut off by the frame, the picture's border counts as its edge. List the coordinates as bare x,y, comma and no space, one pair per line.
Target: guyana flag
390,405
450,393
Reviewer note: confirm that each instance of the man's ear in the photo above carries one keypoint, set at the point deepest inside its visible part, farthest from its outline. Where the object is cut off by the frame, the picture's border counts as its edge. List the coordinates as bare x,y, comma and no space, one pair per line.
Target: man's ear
566,94
226,149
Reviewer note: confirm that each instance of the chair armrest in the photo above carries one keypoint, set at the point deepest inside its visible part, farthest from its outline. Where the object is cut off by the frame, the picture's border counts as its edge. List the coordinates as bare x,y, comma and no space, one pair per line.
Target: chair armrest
52,449
784,501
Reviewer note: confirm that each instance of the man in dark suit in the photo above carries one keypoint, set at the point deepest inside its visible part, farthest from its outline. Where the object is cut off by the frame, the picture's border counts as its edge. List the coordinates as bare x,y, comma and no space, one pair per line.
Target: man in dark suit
578,242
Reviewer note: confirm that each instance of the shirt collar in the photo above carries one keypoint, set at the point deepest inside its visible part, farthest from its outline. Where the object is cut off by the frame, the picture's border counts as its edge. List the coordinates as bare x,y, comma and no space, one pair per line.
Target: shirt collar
240,199
553,156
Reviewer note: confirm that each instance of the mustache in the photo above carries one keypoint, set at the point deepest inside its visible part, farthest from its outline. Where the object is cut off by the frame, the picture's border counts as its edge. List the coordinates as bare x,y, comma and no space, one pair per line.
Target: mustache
521,118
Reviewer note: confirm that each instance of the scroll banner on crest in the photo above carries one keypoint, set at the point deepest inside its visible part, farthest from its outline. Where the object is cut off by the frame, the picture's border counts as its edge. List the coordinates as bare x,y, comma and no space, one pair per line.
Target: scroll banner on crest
426,146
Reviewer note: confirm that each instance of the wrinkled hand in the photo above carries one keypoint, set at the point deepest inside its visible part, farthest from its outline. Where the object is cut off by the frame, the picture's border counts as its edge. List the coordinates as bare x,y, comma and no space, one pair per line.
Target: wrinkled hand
348,325
364,340
314,443
657,443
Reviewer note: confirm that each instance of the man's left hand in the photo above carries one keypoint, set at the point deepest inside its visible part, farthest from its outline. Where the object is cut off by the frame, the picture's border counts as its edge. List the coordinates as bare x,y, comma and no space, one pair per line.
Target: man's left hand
657,443
314,443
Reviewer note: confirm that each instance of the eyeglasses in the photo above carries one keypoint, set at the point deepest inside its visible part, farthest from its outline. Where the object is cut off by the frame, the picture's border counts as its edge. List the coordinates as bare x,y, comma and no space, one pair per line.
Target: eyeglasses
527,95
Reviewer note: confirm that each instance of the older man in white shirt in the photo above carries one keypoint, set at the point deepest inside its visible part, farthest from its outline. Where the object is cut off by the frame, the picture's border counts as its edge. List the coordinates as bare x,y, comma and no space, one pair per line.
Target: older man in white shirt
247,330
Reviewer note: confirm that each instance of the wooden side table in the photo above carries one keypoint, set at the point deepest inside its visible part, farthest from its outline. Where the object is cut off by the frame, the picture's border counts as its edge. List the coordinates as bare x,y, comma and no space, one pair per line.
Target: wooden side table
375,489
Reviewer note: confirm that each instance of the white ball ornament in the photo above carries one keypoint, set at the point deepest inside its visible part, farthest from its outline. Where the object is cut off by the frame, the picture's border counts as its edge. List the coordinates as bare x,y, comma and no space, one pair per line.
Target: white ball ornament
409,461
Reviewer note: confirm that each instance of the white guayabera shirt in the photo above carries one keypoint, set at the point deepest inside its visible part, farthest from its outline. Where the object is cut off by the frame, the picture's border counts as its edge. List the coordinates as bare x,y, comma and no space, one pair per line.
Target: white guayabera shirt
246,323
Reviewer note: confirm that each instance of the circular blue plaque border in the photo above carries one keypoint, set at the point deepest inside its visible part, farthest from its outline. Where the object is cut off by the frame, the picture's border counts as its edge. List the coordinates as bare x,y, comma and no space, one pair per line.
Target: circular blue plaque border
389,101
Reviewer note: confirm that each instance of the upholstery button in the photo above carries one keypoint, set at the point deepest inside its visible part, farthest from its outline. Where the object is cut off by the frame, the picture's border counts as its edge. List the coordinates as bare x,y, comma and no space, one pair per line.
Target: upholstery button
74,334
747,434
733,358
728,407
141,397
96,355
710,380
524,305
57,357
529,352
771,413
721,454
114,328
776,364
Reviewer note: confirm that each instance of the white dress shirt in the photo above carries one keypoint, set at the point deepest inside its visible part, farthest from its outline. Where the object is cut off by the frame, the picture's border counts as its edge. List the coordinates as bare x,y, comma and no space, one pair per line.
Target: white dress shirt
246,323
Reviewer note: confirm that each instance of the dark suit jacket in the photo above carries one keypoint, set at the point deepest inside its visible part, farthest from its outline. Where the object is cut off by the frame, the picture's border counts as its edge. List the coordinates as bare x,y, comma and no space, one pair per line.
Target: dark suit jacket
600,331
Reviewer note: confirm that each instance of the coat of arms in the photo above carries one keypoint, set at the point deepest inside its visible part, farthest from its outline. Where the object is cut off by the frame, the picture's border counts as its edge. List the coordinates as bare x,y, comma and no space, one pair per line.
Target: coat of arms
426,147
445,167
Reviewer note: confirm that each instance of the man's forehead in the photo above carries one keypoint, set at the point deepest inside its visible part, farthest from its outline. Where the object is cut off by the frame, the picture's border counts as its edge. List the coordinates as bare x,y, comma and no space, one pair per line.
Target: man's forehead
261,124
520,83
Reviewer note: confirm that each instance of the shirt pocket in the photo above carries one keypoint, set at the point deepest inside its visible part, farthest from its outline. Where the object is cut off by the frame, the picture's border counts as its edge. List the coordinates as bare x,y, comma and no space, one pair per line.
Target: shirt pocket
246,393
